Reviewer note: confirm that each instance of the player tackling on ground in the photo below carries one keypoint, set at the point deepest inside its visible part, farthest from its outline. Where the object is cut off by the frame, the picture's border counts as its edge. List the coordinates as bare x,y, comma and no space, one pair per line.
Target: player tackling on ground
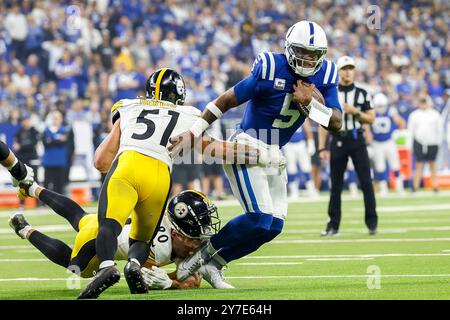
279,92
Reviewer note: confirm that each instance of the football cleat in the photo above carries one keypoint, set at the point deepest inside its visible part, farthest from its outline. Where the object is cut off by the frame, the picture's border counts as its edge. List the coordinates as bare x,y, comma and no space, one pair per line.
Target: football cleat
373,231
104,279
17,222
330,232
214,276
191,264
134,278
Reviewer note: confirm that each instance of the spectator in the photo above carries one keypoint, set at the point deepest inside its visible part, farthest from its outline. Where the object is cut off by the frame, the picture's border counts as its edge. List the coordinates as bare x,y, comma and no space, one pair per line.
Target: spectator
55,159
123,83
17,28
426,130
25,145
66,71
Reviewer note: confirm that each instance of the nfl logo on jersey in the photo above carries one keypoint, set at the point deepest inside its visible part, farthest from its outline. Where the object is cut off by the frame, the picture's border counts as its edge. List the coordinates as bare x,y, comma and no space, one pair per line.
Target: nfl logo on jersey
279,83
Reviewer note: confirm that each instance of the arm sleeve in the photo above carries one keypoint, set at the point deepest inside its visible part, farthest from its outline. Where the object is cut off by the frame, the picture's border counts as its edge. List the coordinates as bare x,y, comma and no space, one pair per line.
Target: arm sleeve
367,103
330,95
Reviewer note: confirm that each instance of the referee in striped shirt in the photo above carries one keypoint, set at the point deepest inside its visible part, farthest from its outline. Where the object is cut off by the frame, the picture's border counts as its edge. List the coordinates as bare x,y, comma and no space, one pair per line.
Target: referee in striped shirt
349,142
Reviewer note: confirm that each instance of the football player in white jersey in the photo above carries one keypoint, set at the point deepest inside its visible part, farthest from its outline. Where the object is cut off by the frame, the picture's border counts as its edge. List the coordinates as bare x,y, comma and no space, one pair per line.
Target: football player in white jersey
383,144
190,218
138,181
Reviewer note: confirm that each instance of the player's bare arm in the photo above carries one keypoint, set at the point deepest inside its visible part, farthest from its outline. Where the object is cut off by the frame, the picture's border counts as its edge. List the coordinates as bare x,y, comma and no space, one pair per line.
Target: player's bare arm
107,150
303,95
324,153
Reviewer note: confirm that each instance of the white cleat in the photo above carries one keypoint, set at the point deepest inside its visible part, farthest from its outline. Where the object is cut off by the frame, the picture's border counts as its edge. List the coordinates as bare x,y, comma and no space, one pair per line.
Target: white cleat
214,277
189,265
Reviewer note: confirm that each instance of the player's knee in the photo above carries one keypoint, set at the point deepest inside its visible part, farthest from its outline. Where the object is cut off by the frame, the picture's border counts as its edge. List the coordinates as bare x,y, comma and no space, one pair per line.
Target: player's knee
110,224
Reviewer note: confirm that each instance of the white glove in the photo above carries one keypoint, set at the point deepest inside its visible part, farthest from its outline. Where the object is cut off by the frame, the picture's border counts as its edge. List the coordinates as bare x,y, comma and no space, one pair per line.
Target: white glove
29,178
156,278
271,158
311,147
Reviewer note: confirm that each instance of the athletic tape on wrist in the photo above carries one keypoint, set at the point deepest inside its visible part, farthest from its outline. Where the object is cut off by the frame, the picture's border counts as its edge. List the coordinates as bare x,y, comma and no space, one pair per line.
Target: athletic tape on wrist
199,127
320,113
214,110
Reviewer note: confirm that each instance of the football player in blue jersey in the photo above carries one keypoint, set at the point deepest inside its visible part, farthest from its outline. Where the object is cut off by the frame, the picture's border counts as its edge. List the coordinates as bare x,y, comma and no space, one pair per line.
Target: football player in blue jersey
279,96
383,144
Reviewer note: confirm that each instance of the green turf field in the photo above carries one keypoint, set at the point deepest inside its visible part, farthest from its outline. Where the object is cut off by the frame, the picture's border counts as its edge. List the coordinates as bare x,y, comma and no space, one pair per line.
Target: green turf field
411,253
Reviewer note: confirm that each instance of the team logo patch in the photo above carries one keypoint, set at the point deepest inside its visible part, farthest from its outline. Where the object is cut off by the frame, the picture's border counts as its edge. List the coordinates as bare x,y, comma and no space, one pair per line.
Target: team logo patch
279,83
181,210
180,87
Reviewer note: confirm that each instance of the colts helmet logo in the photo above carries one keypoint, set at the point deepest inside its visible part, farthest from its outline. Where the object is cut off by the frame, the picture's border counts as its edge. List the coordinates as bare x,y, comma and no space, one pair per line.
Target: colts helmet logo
181,210
180,87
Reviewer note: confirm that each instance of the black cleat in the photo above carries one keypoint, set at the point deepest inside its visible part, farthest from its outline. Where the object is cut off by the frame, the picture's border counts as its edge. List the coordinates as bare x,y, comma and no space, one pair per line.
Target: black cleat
134,278
104,279
17,222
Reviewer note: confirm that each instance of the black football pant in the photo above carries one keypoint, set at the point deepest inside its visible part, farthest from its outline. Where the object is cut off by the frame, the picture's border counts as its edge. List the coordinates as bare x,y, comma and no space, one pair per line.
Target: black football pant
343,147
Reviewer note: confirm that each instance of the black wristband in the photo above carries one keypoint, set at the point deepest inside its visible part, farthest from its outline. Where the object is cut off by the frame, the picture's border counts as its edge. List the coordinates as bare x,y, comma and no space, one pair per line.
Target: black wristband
323,149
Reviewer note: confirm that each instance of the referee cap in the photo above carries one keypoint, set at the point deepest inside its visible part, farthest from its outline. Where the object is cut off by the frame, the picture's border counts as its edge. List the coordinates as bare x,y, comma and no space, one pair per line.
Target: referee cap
345,61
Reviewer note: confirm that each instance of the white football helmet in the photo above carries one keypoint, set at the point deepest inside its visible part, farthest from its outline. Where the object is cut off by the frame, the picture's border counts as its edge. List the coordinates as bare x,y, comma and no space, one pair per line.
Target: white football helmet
380,102
306,46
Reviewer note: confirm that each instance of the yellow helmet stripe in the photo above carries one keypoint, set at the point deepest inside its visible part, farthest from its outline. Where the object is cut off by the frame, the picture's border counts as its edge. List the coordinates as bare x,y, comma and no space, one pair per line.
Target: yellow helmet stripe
158,83
201,195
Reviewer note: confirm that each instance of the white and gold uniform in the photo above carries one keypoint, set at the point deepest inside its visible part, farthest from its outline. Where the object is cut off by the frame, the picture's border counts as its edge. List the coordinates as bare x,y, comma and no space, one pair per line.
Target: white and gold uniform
138,182
160,250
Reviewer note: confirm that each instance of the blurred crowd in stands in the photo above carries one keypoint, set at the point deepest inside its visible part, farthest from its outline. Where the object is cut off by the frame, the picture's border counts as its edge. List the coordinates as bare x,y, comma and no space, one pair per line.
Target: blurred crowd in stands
64,63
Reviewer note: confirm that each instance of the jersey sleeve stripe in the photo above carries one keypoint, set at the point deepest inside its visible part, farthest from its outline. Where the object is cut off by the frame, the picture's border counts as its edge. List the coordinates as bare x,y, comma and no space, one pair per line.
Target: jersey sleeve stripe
264,66
327,73
116,106
272,66
158,83
333,80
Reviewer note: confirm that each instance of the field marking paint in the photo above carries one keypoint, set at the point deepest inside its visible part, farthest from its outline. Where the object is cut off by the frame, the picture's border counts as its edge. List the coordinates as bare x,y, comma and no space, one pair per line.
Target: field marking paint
338,259
362,230
45,228
343,276
359,240
268,263
377,255
25,260
419,207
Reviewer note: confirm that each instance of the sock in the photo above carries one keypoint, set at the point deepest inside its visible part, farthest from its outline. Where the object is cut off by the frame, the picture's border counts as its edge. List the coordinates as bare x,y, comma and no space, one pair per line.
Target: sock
4,151
18,170
138,251
24,231
239,228
54,249
106,243
231,253
65,207
106,263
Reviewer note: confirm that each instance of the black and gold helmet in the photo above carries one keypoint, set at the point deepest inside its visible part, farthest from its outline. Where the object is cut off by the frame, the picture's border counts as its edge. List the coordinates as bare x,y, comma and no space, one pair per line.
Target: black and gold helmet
193,215
167,85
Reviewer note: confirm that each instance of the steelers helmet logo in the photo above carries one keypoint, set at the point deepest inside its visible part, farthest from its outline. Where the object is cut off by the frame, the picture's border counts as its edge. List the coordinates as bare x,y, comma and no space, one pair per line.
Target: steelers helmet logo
181,210
180,86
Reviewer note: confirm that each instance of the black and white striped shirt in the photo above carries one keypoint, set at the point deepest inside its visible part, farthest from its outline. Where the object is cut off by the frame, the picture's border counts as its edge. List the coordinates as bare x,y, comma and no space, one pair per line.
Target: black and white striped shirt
356,96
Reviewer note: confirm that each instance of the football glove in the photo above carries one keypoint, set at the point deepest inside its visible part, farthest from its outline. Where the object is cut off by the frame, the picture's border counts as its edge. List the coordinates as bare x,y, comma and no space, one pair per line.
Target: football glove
156,278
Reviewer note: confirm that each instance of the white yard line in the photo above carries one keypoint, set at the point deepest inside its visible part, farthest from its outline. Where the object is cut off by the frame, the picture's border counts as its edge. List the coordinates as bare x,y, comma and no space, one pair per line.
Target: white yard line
346,231
342,276
267,263
24,260
359,240
45,228
338,259
374,255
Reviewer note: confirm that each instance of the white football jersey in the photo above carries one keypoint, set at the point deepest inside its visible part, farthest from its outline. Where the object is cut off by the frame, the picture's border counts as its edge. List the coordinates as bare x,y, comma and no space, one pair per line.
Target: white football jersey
146,125
161,247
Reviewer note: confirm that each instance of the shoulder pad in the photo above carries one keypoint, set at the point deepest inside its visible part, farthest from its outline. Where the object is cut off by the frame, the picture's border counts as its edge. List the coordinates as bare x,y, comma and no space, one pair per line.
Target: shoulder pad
264,66
330,76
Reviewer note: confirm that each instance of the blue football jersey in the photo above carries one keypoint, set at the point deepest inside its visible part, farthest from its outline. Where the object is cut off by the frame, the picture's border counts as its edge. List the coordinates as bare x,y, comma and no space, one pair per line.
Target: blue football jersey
271,115
384,125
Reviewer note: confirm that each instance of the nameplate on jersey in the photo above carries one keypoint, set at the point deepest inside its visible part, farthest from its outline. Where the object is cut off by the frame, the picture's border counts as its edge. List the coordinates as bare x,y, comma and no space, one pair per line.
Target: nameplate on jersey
279,83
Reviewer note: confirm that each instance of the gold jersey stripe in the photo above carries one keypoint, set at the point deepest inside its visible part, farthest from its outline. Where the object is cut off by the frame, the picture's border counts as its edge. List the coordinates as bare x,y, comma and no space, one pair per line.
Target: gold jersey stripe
116,106
158,83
